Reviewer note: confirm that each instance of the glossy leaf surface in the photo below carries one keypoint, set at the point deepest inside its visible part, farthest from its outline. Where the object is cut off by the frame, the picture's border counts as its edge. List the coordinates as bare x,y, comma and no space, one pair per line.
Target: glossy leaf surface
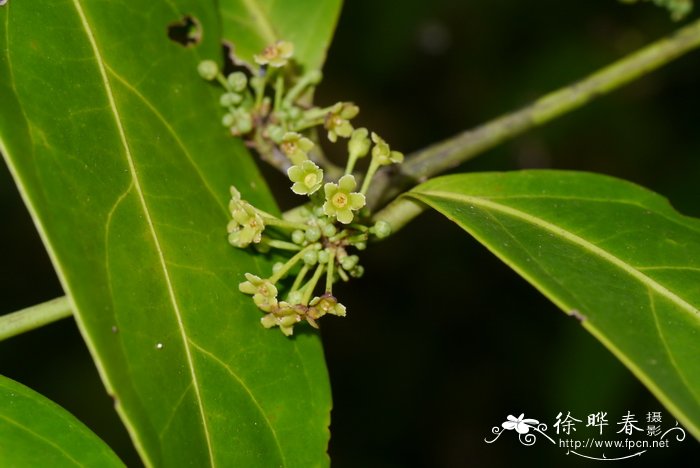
35,431
601,248
116,145
251,25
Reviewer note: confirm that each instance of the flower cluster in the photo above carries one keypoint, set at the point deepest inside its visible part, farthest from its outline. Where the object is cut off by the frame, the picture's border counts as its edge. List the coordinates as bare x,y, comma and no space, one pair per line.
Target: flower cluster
322,237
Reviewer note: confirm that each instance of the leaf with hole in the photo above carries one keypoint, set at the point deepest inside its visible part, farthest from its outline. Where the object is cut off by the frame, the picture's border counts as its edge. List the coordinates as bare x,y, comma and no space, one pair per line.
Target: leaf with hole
35,431
601,249
117,149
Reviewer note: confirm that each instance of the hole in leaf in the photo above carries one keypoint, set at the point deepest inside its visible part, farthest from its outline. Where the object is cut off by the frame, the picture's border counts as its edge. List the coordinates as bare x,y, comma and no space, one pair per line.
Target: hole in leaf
186,32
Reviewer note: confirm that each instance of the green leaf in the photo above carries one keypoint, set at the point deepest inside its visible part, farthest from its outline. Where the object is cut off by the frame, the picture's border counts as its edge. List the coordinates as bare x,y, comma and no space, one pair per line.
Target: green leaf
117,149
251,25
35,431
602,248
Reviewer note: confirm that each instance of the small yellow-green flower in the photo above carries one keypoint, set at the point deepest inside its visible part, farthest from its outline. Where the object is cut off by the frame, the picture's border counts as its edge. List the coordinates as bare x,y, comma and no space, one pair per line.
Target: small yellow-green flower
283,315
383,154
296,147
246,225
275,55
263,291
338,120
307,178
341,201
326,304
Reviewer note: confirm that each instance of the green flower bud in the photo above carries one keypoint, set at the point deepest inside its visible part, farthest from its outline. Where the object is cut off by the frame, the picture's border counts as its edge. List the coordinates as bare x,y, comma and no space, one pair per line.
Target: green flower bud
295,297
357,272
244,124
329,230
237,81
382,229
360,245
228,120
359,143
230,99
349,262
324,256
276,133
311,257
341,201
313,234
298,237
208,69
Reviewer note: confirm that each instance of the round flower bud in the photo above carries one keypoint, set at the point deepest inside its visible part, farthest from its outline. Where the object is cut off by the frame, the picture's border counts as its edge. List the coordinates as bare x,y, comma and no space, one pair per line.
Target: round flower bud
382,229
311,257
360,245
329,230
230,99
349,262
323,256
208,69
277,267
298,237
313,234
237,81
228,120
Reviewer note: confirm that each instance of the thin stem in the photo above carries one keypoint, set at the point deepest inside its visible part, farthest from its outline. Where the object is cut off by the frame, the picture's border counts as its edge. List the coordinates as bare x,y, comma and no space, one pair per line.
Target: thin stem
373,166
291,262
278,244
309,288
329,272
300,277
16,323
464,146
222,81
273,221
279,91
310,78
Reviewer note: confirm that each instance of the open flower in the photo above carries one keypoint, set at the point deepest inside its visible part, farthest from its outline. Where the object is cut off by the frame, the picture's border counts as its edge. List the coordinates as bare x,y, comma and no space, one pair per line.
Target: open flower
326,304
283,315
383,154
522,426
275,55
296,147
246,225
263,291
341,201
338,120
307,178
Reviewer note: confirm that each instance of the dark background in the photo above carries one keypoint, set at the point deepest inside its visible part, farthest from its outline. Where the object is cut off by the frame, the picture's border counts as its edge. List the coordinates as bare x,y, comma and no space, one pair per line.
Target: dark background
442,341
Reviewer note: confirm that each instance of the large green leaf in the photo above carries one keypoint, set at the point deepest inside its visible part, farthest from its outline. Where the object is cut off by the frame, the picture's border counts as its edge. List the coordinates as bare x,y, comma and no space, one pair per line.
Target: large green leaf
35,431
115,145
602,248
250,25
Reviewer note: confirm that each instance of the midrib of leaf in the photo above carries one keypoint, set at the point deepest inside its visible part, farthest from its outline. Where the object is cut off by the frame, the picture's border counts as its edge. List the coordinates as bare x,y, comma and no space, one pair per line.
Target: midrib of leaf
137,185
262,22
42,438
